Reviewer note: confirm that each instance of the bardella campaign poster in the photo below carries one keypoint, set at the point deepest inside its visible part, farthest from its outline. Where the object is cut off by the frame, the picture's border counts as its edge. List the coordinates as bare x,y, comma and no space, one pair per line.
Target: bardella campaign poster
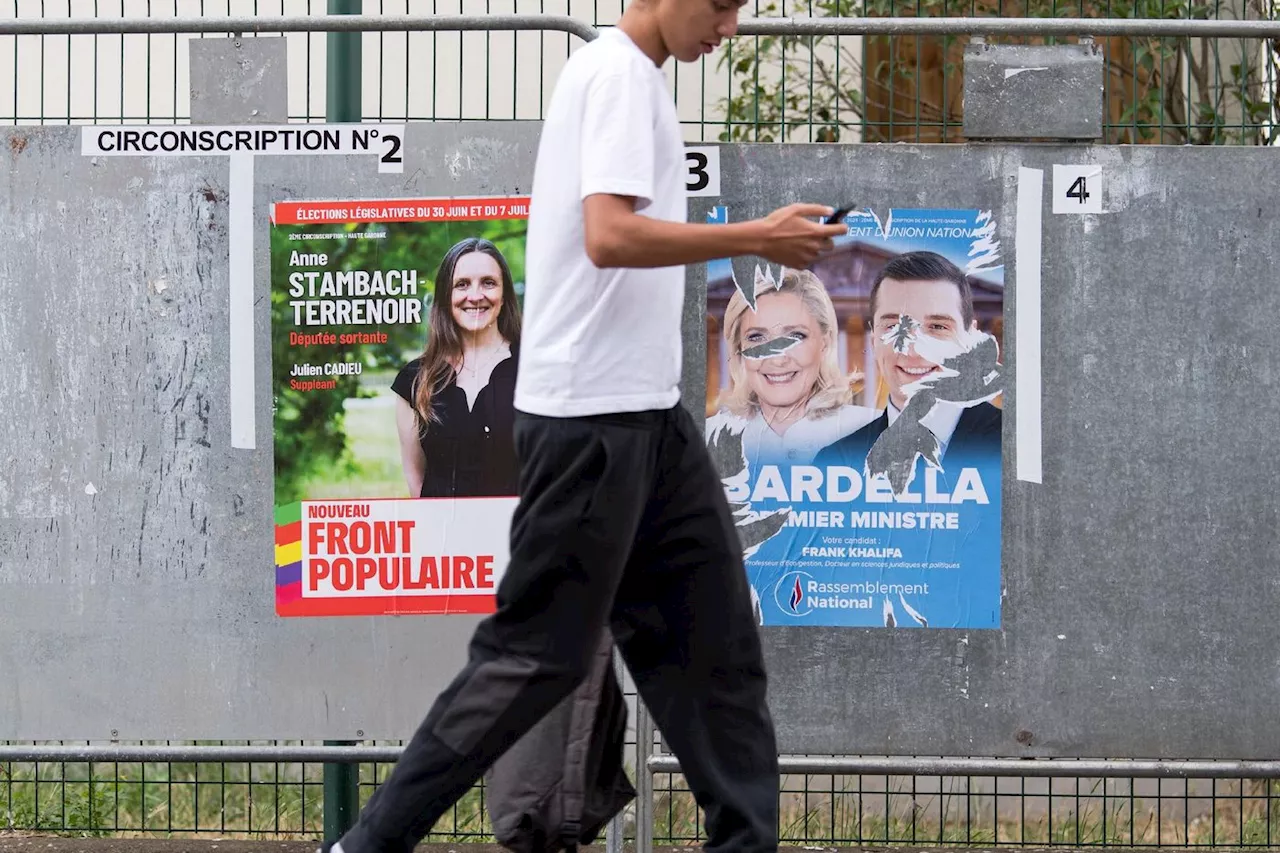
854,412
395,336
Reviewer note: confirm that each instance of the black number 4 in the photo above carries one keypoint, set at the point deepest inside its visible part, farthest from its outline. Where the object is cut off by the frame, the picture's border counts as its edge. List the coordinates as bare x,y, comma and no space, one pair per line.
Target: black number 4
1079,190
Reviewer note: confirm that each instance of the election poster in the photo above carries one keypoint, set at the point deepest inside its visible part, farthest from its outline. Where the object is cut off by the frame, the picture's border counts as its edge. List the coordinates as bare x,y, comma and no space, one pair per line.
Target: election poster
854,414
395,337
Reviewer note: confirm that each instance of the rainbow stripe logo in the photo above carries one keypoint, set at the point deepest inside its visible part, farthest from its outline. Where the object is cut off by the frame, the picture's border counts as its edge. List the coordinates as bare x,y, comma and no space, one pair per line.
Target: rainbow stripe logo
288,558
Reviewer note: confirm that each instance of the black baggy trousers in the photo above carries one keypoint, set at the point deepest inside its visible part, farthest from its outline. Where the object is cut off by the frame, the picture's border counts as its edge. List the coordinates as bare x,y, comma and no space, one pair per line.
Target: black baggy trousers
622,523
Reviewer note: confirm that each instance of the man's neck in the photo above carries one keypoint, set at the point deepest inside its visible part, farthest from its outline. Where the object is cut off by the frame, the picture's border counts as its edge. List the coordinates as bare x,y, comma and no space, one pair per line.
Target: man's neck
640,25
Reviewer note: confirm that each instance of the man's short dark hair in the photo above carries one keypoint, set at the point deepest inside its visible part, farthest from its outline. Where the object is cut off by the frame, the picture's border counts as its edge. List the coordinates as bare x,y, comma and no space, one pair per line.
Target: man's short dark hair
925,266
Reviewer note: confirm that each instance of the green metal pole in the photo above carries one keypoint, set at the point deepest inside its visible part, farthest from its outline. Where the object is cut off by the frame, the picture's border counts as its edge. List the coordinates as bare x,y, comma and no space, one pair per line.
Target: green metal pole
341,795
342,88
342,83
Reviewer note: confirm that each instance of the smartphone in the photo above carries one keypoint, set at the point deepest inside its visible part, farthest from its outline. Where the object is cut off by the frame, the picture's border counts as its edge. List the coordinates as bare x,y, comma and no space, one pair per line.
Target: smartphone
837,218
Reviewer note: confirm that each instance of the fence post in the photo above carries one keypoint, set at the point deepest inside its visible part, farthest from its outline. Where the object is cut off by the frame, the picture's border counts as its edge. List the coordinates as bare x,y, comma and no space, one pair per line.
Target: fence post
342,104
644,778
341,795
343,65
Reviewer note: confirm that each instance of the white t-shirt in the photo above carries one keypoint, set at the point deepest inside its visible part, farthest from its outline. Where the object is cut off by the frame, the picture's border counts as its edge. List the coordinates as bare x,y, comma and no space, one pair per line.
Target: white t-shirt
602,340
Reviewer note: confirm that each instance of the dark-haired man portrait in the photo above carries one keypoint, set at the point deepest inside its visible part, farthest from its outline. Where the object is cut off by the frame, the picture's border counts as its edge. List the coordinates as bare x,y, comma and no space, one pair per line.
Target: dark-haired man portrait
935,294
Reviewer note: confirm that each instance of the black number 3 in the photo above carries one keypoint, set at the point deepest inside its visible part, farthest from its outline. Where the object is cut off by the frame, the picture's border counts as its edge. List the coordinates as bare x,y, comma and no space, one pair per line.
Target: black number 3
698,177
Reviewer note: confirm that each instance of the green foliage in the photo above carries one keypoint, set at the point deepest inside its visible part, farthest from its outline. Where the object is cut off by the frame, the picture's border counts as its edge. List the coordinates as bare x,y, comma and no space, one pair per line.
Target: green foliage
261,799
313,444
78,808
906,88
267,800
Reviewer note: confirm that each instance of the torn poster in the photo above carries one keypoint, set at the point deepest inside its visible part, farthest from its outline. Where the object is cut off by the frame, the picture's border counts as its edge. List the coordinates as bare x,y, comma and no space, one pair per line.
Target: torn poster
854,414
395,333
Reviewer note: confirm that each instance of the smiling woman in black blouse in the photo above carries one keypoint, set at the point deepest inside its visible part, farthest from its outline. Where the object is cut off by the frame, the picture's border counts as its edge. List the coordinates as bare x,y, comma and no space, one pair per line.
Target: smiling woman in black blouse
456,426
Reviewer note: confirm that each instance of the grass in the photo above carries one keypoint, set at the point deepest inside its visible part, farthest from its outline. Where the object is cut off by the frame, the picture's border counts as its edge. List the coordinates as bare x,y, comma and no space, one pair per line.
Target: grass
269,801
157,798
265,801
374,445
821,810
278,801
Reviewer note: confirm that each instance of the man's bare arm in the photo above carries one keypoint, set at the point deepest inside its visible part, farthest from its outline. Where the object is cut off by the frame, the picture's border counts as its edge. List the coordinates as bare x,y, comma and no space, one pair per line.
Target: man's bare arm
617,236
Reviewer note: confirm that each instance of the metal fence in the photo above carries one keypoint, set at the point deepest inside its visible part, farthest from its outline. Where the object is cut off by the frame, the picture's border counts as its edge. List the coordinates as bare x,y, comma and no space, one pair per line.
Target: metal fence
890,75
888,85
283,799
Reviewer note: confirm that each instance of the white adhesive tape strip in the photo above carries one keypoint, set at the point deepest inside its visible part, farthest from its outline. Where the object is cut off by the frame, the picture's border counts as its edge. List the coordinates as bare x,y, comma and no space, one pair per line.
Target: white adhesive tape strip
1027,346
242,381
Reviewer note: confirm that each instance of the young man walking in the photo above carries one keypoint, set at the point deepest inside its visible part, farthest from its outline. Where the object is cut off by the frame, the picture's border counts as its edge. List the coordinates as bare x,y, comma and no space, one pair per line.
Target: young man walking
622,523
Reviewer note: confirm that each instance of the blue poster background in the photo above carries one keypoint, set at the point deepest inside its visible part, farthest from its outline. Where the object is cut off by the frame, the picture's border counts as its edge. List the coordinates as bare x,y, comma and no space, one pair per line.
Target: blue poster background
824,543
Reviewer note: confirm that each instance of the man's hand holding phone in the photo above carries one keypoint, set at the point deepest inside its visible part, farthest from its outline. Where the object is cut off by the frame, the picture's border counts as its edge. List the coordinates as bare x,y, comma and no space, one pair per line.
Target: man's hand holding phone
794,239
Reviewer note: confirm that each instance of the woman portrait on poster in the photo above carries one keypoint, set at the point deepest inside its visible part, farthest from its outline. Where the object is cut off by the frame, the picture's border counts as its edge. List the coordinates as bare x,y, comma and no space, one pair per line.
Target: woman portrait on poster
787,406
454,406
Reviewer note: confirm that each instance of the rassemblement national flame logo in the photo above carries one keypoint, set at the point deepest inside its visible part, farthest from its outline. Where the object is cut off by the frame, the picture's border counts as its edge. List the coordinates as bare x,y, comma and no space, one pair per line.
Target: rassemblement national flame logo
790,595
